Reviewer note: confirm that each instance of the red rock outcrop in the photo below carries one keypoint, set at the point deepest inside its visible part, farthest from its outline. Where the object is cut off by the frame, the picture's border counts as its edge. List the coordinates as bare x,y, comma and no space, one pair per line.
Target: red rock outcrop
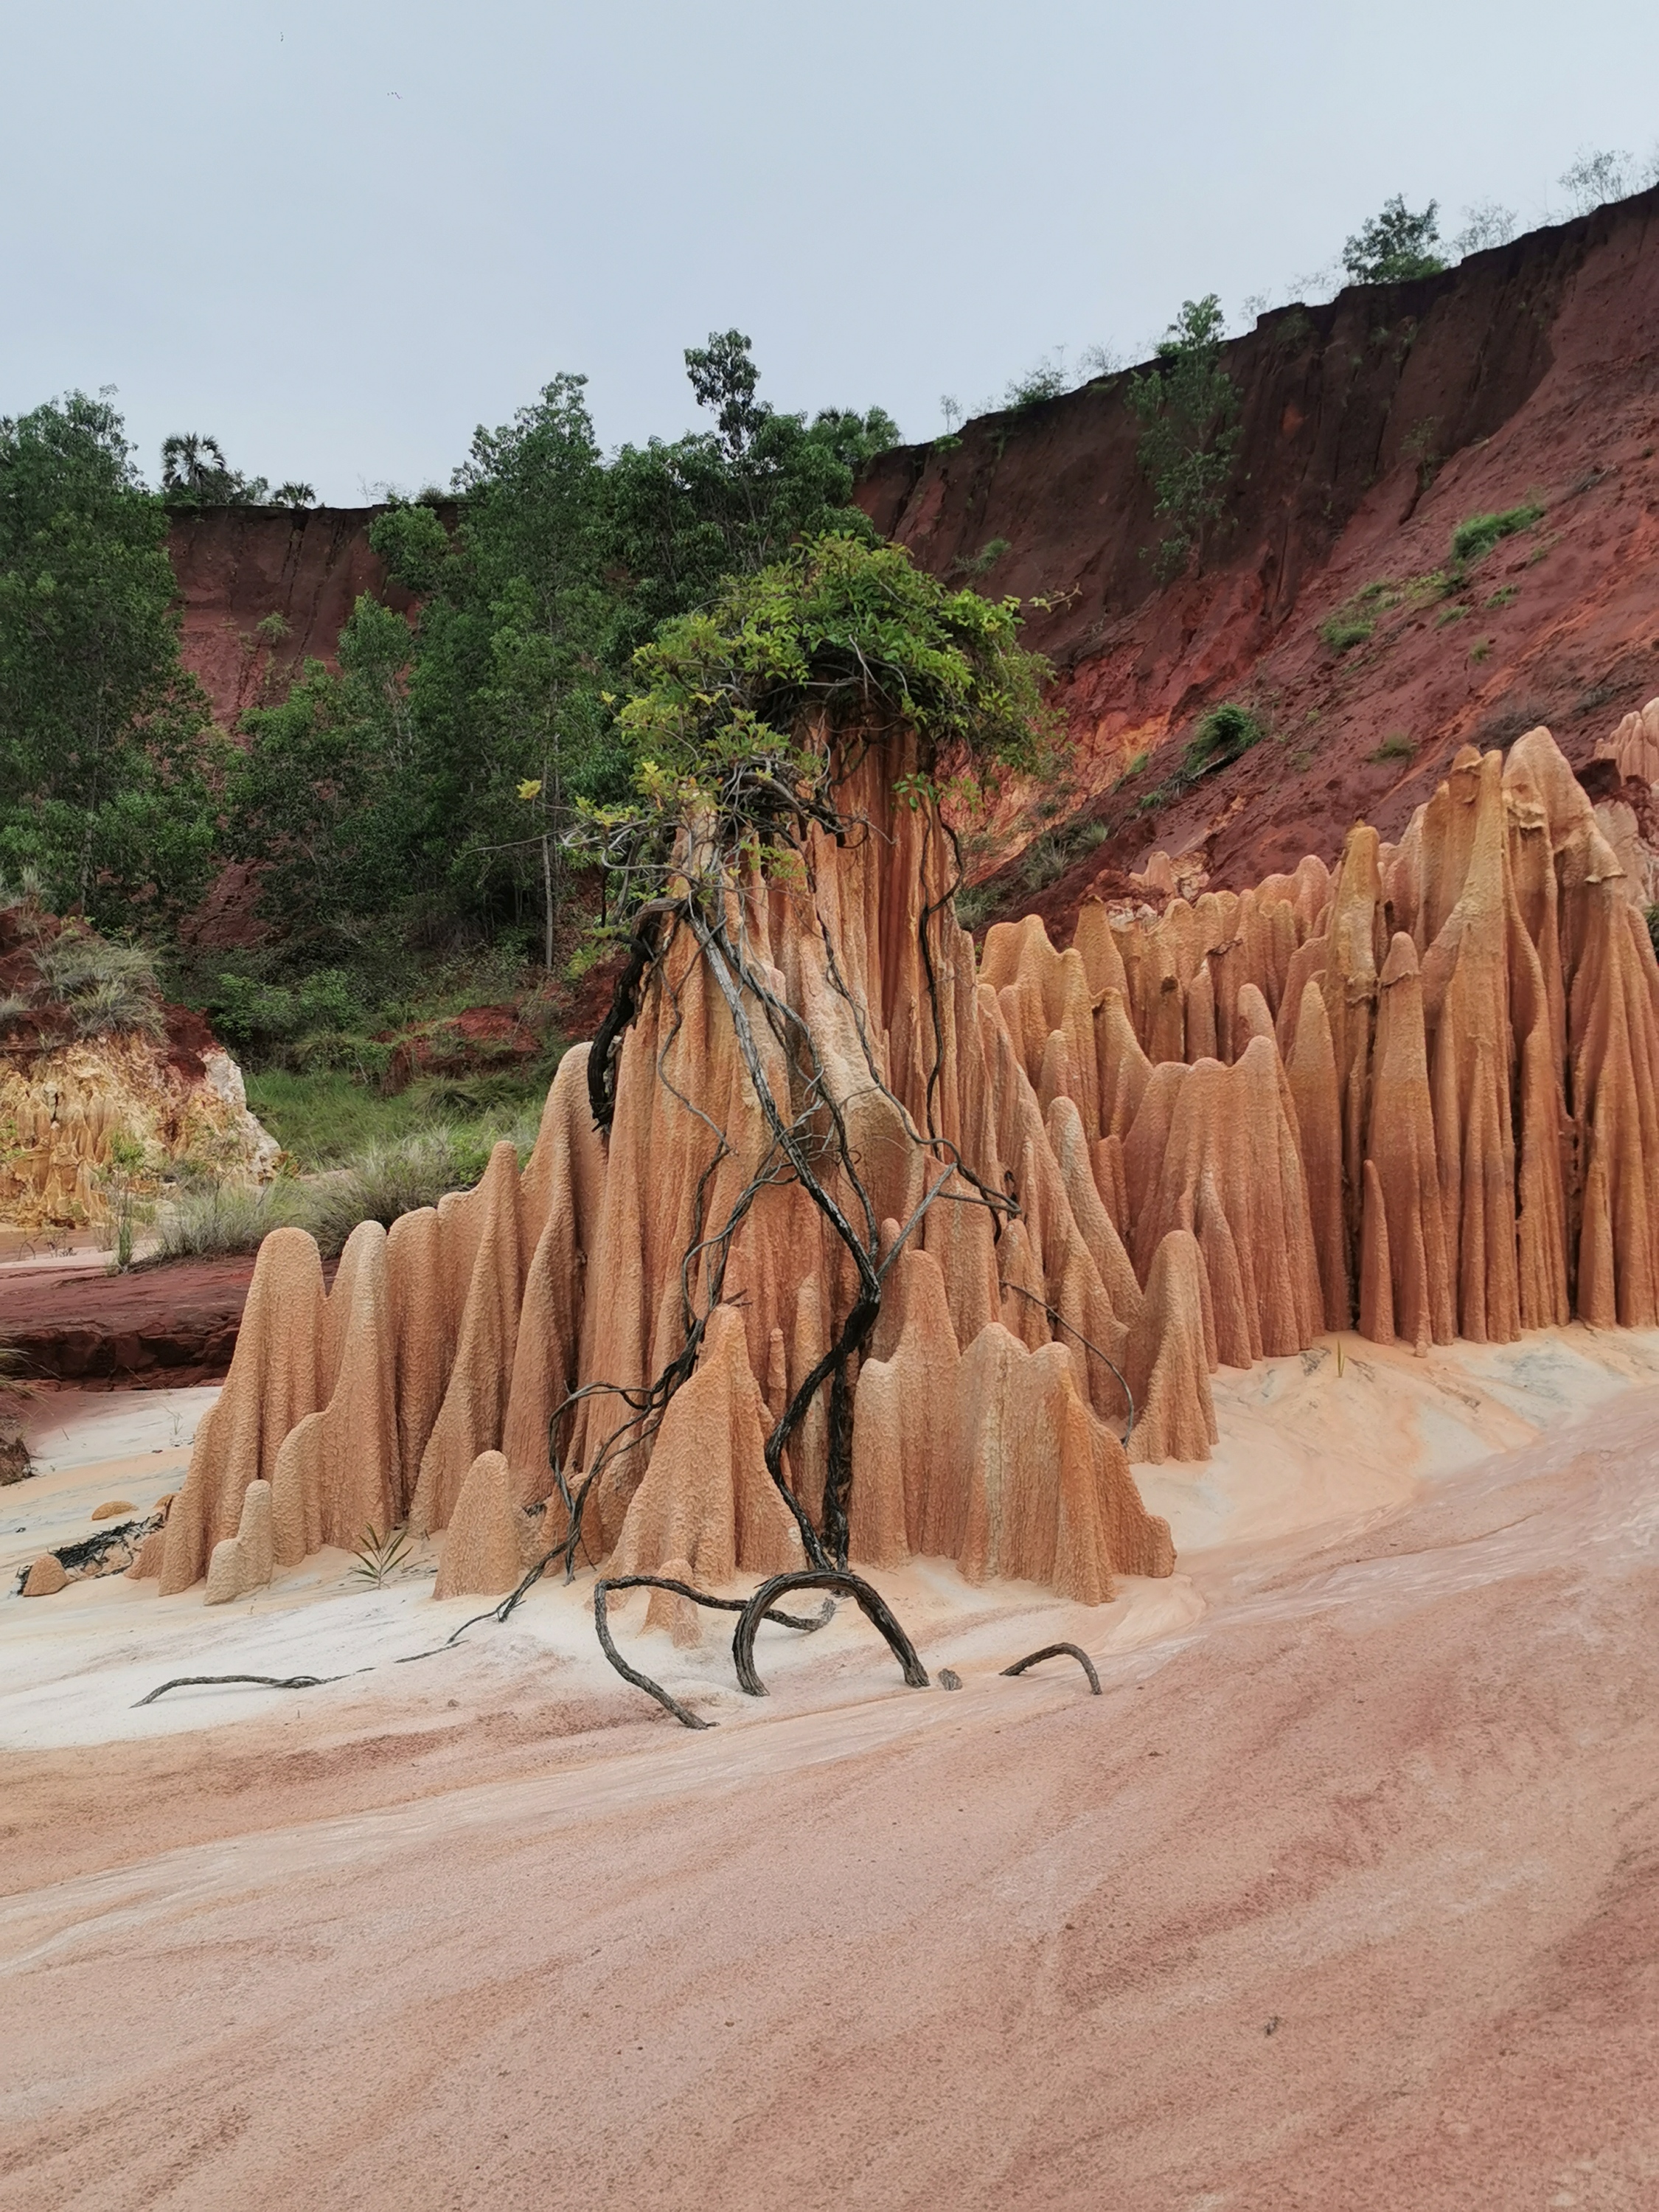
1372,425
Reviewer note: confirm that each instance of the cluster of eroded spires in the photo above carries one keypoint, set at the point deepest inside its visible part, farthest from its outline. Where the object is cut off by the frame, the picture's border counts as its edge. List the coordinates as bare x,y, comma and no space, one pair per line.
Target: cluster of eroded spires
1417,1093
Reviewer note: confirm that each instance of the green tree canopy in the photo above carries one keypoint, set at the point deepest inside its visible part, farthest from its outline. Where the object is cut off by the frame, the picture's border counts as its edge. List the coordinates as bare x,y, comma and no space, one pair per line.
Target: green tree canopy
560,567
1189,408
195,473
715,503
1394,245
104,745
329,795
734,706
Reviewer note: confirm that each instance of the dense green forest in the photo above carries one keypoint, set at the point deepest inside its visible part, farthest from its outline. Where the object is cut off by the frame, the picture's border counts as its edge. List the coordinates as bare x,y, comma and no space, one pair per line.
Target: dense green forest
407,816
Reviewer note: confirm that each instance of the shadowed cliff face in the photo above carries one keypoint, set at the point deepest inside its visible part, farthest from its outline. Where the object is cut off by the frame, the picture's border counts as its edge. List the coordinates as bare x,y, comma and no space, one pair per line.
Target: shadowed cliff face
236,565
1372,425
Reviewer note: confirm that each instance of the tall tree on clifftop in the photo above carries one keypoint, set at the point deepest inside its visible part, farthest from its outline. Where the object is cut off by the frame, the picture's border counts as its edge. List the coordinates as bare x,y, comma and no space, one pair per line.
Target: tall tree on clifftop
1189,408
684,516
1395,244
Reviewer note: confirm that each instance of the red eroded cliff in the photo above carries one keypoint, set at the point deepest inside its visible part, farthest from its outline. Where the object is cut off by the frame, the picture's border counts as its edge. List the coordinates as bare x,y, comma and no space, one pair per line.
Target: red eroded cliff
1372,425
238,565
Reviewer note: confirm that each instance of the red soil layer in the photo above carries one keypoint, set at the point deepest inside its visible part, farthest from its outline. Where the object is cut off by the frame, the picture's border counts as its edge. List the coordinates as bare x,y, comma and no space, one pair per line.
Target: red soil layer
1529,371
154,1330
236,565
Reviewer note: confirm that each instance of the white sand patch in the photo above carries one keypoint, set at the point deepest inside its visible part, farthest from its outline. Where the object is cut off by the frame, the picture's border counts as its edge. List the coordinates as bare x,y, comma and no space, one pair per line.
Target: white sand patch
1302,1448
74,1428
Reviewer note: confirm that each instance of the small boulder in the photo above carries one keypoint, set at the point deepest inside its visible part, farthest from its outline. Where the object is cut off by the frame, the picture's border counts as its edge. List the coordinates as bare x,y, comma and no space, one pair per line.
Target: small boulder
46,1575
110,1507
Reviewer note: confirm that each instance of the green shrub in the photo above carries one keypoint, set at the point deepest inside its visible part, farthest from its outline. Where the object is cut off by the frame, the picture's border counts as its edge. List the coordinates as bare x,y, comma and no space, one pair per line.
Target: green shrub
77,961
251,1015
330,1001
389,1180
1187,406
215,1219
1395,244
1505,596
974,905
1043,859
348,1051
1653,926
1395,746
1474,538
1048,380
1223,734
384,1181
1346,631
980,563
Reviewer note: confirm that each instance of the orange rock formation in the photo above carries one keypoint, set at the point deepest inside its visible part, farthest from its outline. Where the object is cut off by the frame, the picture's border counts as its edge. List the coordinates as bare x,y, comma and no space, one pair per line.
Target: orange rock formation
1421,1092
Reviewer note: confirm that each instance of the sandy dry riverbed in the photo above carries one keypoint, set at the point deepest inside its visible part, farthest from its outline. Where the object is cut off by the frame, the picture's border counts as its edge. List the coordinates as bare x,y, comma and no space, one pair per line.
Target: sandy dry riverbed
1342,1894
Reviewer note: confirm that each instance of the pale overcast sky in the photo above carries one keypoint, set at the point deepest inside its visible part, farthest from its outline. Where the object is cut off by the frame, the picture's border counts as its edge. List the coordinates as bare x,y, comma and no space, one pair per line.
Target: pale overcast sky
337,234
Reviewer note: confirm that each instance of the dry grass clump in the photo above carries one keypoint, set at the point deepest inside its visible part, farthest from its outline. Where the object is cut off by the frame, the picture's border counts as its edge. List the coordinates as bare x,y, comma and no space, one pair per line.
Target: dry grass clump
384,1179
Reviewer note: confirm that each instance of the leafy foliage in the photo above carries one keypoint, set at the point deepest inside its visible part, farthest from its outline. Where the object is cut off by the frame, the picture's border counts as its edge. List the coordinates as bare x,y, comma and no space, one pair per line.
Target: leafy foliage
1189,407
1599,175
731,720
1346,629
105,752
1486,223
1473,539
684,515
195,473
378,1557
328,793
1395,244
1222,735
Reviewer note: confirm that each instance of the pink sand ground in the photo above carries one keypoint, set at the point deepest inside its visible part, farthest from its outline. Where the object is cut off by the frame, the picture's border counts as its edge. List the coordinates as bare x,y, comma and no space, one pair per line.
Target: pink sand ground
1344,1896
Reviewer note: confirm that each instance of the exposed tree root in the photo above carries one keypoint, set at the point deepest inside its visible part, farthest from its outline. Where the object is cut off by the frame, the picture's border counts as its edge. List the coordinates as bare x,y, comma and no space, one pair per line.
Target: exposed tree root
602,1591
262,1681
1057,1651
83,1560
870,1602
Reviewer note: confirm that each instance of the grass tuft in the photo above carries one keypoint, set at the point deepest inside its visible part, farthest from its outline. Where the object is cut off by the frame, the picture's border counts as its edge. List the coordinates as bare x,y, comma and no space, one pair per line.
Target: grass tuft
1474,537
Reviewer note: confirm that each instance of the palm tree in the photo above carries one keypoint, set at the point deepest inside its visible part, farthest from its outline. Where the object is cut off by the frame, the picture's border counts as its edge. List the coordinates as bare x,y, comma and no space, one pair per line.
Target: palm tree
296,494
194,465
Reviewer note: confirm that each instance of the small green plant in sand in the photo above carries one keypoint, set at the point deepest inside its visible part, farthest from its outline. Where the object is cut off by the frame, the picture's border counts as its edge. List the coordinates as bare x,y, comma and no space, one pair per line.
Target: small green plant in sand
378,1557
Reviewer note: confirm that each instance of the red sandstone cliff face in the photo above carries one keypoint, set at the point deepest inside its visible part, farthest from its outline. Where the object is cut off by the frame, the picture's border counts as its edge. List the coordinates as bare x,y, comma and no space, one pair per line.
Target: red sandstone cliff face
1372,425
236,565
